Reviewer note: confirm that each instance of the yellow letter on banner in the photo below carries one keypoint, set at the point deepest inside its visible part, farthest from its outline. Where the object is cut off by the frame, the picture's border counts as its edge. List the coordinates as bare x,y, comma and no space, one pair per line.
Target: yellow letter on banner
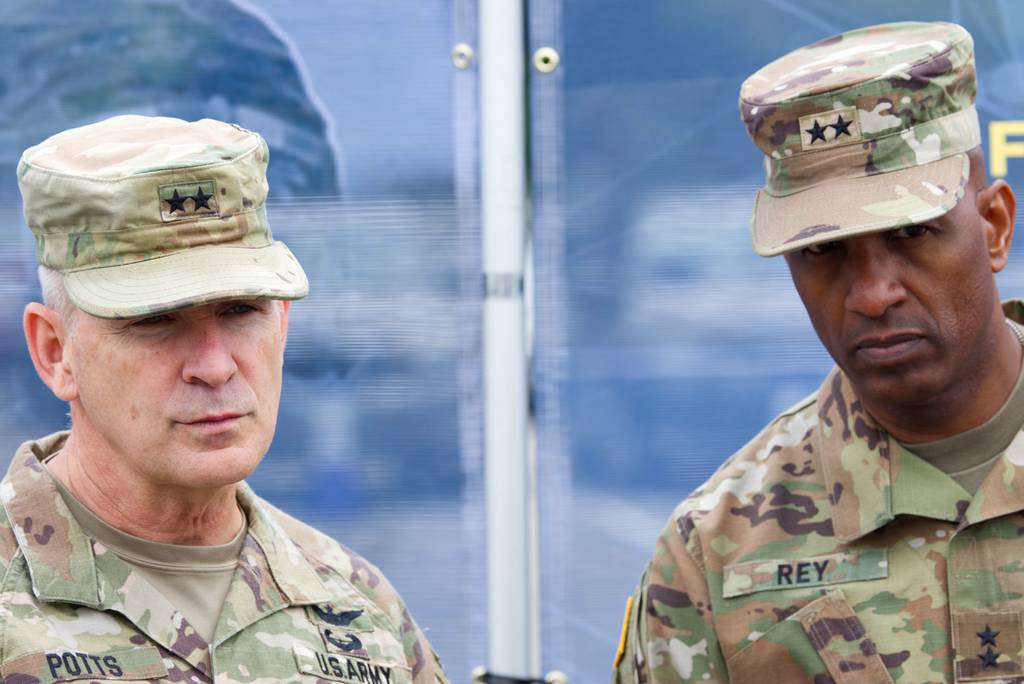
1001,149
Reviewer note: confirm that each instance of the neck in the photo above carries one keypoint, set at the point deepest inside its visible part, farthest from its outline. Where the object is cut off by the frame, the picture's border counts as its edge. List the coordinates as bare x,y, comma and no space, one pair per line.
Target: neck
967,405
151,511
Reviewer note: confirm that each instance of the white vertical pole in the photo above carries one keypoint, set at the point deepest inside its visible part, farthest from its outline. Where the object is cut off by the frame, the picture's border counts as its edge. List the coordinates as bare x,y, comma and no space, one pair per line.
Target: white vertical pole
503,197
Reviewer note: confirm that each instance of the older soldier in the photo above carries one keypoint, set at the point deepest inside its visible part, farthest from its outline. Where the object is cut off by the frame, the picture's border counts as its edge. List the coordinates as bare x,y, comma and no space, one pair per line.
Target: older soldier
130,547
874,532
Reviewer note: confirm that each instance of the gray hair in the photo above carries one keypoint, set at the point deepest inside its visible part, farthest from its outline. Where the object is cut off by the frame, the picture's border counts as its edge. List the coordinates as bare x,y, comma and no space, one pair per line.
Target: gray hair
55,295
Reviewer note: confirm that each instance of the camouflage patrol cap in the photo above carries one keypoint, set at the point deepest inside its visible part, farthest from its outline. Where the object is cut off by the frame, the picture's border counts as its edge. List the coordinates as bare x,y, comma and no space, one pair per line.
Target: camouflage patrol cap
149,214
862,132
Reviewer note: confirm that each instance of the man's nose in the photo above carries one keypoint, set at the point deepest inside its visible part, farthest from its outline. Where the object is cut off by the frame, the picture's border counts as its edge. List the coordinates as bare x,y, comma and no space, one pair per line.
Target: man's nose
874,284
209,359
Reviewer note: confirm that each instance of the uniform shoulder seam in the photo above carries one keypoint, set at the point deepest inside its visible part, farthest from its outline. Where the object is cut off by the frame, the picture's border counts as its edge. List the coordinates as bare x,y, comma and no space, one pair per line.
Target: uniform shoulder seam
800,405
687,507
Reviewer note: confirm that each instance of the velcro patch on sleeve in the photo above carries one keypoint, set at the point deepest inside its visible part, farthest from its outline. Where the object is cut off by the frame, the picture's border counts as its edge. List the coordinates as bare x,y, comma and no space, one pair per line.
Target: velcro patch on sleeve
65,665
740,579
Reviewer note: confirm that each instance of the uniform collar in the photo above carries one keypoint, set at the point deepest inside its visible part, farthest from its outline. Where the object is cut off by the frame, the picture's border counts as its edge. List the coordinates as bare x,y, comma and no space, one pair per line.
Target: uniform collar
60,555
292,573
870,477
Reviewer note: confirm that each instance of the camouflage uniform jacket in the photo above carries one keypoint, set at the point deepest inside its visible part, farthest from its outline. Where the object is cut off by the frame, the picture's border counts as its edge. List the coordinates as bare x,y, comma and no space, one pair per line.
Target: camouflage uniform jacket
823,551
301,608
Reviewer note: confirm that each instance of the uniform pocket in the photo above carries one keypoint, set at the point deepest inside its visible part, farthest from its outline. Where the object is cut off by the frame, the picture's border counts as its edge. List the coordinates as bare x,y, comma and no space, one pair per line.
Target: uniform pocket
825,637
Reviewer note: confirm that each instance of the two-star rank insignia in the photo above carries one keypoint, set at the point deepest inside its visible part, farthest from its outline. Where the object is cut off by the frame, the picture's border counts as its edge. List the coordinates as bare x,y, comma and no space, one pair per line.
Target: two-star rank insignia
989,657
988,646
180,201
826,129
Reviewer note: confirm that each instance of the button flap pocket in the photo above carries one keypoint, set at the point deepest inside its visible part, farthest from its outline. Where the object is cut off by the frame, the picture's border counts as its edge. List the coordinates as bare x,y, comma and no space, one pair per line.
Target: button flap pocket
838,636
822,641
740,579
65,665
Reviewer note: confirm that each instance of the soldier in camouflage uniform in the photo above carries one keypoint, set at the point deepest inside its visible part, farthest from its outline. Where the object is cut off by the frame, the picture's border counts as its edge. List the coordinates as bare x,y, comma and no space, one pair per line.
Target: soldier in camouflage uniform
874,532
130,548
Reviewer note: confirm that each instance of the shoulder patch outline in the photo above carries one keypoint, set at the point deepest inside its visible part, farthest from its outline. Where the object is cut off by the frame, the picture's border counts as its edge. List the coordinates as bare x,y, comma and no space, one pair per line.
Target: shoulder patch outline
624,634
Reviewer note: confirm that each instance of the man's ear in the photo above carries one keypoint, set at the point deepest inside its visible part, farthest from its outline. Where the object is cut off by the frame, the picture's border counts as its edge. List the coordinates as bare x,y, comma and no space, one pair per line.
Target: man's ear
997,207
46,335
285,305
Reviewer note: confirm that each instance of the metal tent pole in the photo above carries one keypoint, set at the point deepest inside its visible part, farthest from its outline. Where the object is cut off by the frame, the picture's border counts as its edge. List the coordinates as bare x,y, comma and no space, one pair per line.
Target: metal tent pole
502,60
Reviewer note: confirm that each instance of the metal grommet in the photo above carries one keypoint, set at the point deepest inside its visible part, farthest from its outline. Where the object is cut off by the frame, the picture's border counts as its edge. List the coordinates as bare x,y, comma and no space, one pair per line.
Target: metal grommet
545,60
462,56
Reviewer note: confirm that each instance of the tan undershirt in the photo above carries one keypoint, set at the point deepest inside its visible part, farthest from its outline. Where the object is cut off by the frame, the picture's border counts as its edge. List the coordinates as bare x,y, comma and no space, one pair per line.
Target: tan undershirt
194,579
969,456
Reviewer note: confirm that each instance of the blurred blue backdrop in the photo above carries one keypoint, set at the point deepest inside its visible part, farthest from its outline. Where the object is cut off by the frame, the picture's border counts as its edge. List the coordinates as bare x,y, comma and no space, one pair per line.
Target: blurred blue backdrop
661,342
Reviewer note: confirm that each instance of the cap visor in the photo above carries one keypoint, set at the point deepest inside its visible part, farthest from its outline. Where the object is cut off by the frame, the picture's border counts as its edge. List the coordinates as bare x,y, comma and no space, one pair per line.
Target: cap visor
842,208
187,278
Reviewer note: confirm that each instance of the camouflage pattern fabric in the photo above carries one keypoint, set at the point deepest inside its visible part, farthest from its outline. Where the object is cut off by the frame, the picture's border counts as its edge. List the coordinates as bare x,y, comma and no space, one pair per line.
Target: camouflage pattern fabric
864,131
301,607
822,551
132,187
150,214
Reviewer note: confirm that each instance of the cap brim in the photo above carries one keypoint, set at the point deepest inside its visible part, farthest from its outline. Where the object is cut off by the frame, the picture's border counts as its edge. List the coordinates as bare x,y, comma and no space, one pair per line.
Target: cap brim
841,208
194,276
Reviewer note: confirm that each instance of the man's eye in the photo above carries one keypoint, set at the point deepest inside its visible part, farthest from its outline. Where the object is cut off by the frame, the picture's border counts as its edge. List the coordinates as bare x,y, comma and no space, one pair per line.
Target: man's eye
151,321
239,309
822,248
911,231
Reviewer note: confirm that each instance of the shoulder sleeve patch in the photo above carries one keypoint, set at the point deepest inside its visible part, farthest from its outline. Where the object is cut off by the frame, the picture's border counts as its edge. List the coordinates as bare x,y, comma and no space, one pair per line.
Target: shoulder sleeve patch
625,633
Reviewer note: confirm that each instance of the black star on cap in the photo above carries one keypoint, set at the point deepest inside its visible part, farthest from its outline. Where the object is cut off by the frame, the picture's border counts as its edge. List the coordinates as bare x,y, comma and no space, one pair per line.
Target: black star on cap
817,132
177,202
842,127
988,658
202,200
988,636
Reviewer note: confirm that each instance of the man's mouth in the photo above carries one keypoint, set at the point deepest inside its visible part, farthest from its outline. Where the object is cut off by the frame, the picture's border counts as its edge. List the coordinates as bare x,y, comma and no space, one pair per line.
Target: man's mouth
891,348
214,420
